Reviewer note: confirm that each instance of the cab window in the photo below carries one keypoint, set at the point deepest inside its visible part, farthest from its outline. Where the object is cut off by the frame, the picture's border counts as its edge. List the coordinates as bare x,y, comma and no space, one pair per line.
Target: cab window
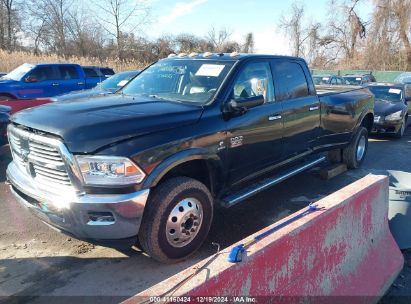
255,79
41,73
292,80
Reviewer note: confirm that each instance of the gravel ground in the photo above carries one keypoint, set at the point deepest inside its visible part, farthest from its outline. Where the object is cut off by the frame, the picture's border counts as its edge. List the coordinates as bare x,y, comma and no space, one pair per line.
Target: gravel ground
38,261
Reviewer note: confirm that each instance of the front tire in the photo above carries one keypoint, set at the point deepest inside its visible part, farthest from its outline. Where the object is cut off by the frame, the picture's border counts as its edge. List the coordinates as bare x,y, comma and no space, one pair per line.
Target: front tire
354,154
401,131
177,219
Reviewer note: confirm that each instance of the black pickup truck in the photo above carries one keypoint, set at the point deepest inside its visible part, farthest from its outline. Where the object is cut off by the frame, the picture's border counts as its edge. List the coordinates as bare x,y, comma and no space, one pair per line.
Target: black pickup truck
190,131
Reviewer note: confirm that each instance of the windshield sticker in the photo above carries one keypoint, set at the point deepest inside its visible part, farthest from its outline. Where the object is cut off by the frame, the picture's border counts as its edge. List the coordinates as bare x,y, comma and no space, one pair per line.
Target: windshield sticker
210,70
395,91
358,78
122,83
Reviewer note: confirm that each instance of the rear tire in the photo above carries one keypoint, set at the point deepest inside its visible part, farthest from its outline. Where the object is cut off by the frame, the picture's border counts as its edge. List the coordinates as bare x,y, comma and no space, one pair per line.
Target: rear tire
354,154
176,220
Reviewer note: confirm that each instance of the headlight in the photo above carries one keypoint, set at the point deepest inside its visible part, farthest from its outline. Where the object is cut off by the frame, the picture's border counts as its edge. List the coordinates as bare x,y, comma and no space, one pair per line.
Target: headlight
109,170
394,116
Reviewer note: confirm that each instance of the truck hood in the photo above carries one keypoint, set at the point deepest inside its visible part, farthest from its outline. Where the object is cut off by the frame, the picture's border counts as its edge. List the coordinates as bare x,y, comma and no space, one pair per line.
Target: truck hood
88,125
385,107
81,94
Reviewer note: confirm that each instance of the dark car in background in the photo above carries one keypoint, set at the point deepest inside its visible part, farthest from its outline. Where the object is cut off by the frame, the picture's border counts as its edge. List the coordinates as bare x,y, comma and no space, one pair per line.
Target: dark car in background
359,79
329,80
108,86
4,120
392,107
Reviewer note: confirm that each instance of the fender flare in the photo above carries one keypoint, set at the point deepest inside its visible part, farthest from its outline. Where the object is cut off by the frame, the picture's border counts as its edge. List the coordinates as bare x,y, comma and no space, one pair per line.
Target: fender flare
177,159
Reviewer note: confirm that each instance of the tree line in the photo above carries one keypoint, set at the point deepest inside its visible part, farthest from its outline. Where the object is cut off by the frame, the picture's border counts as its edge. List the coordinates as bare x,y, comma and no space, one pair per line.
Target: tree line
347,41
100,29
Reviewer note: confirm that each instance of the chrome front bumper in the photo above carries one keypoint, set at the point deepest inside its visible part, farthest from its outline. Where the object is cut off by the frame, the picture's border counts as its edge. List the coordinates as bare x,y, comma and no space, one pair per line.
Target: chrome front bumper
99,217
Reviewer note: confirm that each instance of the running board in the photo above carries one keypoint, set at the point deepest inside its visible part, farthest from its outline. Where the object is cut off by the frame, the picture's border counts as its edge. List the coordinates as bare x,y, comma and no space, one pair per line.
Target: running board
261,186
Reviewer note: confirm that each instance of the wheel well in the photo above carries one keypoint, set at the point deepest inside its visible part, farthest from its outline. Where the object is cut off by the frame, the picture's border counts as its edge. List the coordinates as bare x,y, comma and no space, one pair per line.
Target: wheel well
7,95
368,121
196,169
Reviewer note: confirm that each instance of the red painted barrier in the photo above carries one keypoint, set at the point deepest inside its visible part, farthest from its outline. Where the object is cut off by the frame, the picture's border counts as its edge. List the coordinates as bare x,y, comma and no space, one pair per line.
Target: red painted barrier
344,250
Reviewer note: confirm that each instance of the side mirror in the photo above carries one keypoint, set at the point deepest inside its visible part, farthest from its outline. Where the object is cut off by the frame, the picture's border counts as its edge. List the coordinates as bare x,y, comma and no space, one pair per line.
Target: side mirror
31,79
246,103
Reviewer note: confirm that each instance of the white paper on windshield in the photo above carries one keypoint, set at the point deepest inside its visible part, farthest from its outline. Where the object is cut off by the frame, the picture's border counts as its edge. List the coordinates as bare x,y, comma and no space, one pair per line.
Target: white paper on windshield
211,70
394,91
358,78
122,83
326,78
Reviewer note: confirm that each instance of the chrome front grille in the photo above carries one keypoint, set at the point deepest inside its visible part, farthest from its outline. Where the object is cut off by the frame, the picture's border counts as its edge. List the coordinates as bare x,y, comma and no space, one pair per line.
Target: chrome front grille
39,157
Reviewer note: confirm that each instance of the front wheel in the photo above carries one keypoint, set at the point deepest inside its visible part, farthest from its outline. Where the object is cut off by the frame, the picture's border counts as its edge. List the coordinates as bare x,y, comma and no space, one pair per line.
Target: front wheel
401,131
177,219
354,154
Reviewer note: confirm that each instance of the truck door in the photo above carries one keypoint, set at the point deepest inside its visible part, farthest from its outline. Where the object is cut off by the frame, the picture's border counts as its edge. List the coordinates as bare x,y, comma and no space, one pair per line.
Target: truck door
254,137
39,82
70,80
301,106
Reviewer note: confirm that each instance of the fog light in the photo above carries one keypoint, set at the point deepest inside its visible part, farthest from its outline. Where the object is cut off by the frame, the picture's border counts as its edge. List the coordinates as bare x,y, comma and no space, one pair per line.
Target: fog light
100,218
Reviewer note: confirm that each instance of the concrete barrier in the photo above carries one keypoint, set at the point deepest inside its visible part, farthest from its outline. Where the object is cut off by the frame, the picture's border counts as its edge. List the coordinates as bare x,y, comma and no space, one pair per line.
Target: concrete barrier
344,250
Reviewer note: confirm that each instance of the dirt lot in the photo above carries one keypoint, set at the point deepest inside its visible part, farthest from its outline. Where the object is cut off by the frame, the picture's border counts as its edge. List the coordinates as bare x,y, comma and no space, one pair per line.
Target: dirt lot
36,260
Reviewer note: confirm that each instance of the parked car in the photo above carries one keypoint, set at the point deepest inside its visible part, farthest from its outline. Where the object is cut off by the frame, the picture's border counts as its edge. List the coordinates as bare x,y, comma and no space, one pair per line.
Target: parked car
98,72
329,80
22,87
4,120
360,79
403,78
187,133
392,108
108,86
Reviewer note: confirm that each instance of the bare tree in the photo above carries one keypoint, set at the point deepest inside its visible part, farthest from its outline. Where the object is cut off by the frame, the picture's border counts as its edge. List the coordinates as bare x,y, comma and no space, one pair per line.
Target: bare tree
9,23
218,39
248,46
292,26
121,16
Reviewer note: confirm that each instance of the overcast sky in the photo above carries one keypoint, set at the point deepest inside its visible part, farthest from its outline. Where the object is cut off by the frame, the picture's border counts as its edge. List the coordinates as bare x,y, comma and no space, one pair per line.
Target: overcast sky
240,17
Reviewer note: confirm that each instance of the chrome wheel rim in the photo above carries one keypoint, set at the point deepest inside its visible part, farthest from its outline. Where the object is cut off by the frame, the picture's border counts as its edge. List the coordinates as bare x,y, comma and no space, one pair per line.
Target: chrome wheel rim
361,148
184,222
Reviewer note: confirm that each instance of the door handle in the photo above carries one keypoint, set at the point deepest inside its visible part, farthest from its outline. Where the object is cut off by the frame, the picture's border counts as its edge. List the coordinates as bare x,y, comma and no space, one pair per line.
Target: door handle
274,117
80,83
55,84
314,108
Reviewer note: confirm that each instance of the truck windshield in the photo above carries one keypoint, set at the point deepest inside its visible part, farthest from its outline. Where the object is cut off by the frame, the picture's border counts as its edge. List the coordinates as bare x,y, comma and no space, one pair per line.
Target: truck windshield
19,72
392,94
185,80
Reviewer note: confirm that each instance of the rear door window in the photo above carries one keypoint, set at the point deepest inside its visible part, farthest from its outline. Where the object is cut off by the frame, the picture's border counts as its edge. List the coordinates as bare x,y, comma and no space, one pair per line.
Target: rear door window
68,72
90,73
291,80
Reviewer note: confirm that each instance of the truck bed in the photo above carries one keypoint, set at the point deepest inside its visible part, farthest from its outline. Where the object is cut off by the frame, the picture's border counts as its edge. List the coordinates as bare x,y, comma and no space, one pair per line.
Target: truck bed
325,90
